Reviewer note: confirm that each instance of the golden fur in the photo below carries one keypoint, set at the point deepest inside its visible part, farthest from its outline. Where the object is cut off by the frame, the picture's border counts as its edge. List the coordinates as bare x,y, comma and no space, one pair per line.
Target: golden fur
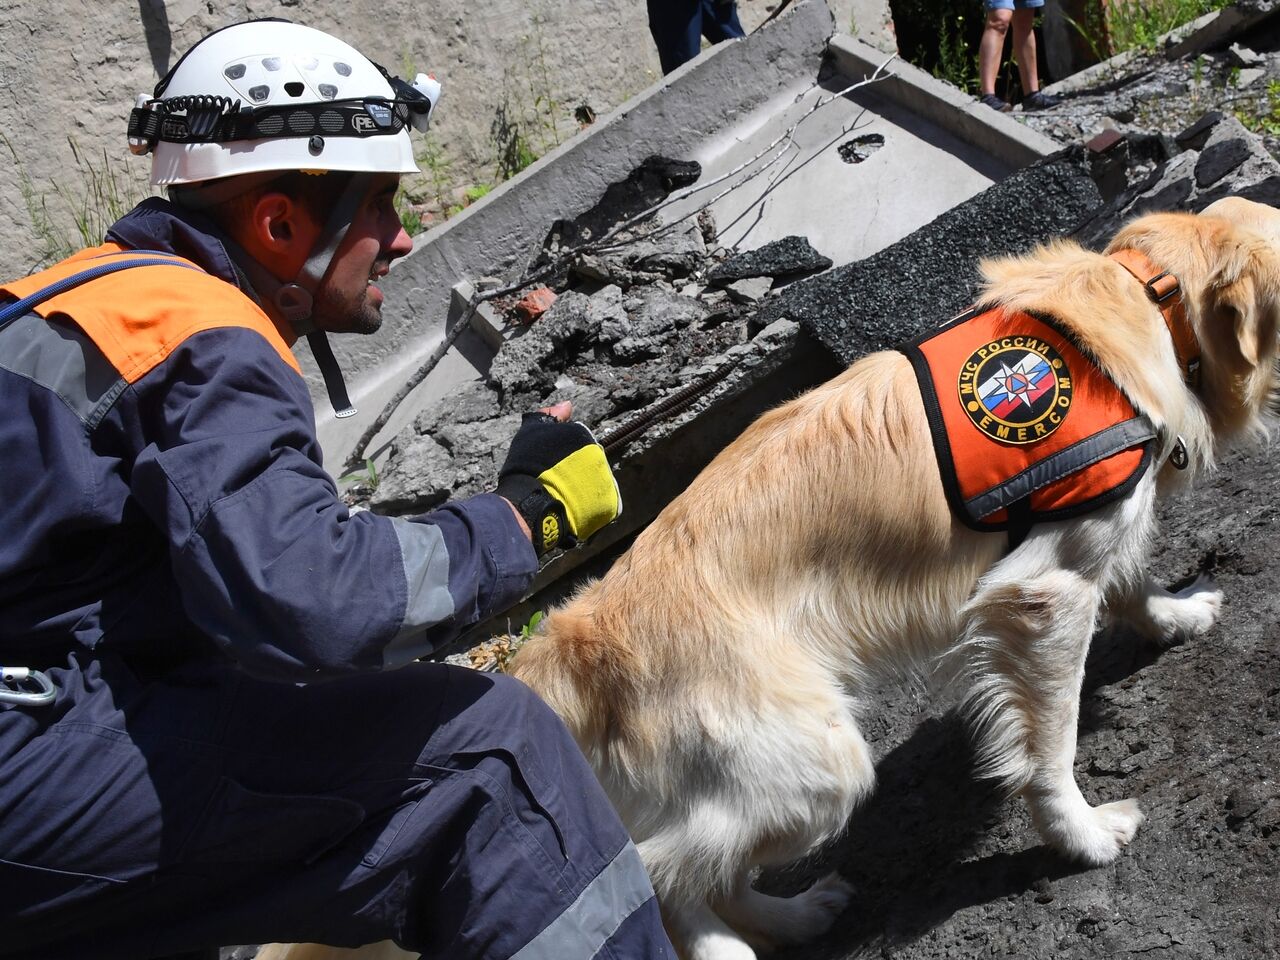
712,677
746,616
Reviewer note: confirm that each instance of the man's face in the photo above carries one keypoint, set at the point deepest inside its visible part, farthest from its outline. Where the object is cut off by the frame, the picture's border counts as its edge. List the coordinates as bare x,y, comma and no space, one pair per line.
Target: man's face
348,300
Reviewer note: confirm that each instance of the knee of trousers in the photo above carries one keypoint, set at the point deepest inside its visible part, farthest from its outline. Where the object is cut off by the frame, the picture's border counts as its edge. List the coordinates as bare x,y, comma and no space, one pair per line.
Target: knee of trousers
505,716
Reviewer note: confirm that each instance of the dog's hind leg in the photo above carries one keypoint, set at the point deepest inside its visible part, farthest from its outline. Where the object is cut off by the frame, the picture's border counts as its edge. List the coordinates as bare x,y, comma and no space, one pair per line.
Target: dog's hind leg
1167,618
776,920
1027,641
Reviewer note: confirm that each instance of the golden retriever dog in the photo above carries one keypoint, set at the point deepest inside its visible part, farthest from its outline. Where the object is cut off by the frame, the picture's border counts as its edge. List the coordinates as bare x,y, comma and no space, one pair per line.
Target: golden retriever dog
713,676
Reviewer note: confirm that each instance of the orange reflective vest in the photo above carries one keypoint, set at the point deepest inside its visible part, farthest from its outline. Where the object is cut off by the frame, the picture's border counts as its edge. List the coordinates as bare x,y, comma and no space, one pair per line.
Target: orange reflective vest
138,317
1025,427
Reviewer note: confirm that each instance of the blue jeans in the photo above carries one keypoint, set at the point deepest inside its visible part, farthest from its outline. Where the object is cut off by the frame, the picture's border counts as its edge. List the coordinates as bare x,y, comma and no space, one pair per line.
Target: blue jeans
678,27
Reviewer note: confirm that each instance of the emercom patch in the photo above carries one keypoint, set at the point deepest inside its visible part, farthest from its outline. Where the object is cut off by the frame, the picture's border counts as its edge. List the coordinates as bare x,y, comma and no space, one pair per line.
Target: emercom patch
1016,389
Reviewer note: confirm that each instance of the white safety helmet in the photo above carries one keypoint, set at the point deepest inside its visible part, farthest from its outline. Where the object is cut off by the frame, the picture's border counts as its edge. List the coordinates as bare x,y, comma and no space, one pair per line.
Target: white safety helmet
270,95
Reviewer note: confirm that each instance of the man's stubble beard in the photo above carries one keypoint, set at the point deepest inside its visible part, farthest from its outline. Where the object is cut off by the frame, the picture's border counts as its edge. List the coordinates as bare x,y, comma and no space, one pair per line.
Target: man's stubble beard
342,316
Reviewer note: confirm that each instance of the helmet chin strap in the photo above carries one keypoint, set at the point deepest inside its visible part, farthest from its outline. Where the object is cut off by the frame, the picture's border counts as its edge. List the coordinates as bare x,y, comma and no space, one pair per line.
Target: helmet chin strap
297,299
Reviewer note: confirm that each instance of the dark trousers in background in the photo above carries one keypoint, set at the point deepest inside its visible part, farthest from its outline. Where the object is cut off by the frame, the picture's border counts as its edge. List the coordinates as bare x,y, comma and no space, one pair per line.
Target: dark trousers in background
678,27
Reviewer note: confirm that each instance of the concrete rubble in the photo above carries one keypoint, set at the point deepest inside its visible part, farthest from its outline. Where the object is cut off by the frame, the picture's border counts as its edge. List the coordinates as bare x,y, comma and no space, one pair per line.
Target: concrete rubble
791,256
618,336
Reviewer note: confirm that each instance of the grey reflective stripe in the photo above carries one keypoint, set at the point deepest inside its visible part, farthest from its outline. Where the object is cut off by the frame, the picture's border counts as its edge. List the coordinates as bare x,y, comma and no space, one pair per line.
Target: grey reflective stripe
60,357
579,933
426,572
1069,460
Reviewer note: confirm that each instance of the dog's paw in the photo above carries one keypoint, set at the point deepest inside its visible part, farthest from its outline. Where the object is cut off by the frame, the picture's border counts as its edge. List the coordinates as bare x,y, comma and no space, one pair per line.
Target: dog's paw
1097,837
818,907
1186,614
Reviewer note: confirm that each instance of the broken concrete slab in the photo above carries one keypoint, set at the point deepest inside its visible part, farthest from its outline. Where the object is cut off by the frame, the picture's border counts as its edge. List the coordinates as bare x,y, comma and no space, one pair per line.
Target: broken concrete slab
497,234
1004,138
749,290
1243,57
1212,29
528,364
1249,76
790,256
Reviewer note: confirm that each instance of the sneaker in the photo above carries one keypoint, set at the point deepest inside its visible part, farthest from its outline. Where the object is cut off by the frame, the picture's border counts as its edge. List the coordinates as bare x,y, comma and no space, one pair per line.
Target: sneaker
994,102
1039,100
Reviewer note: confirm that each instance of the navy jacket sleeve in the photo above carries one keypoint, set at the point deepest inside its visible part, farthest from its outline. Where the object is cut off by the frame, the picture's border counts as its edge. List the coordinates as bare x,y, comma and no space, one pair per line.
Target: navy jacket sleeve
270,562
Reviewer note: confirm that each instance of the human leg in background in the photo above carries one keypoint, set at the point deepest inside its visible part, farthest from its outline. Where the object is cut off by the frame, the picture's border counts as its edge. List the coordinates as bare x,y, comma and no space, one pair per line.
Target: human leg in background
720,21
676,26
1024,45
1024,48
991,51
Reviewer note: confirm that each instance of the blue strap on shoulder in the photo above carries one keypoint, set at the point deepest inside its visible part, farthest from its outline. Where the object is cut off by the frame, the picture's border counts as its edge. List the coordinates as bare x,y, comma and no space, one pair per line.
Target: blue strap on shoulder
20,308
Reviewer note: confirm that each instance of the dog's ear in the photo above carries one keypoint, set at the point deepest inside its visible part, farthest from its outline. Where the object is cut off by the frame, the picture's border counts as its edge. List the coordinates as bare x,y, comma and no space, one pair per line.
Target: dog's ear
1238,321
1238,329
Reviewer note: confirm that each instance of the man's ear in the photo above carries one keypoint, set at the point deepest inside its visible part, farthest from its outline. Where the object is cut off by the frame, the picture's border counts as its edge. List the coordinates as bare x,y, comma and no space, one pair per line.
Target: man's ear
280,232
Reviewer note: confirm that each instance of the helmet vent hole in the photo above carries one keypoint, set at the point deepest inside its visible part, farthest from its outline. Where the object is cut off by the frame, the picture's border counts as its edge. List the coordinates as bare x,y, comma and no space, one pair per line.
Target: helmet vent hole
294,88
309,63
343,69
234,72
271,63
259,93
328,91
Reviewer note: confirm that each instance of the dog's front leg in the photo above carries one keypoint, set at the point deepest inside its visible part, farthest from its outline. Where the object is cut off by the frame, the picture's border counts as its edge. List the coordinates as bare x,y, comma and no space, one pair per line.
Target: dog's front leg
1168,618
1027,640
701,935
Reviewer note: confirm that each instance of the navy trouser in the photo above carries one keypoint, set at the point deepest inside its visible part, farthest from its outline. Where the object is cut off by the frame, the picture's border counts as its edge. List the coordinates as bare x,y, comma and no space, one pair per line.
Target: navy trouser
678,27
442,808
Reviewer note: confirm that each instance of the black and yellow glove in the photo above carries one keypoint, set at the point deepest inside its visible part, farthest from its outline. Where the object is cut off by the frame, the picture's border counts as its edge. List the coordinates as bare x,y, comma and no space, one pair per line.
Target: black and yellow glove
557,477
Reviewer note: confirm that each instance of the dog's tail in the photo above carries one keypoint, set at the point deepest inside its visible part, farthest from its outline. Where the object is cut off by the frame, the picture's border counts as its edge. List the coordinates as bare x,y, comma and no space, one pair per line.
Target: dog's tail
573,666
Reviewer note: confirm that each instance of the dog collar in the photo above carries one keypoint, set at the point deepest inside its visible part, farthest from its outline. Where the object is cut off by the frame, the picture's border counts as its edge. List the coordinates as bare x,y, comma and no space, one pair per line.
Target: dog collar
1166,293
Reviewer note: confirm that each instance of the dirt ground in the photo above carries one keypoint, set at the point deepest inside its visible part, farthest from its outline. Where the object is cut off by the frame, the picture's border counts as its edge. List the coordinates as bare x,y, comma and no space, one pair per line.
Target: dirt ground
945,867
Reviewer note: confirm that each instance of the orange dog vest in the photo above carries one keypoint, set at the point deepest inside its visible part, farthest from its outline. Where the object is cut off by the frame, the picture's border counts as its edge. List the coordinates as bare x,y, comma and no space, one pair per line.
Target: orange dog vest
1025,427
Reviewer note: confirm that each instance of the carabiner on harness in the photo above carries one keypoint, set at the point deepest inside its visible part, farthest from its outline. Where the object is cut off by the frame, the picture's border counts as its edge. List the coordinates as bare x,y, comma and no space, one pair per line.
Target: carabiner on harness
13,687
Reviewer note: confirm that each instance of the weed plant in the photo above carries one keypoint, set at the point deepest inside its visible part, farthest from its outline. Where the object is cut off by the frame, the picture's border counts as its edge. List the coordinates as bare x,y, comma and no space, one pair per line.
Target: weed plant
1263,117
1139,24
102,194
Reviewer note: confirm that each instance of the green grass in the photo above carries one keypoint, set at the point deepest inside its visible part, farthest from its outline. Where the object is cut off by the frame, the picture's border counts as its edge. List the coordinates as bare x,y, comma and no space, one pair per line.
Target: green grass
957,61
1264,115
101,193
1139,24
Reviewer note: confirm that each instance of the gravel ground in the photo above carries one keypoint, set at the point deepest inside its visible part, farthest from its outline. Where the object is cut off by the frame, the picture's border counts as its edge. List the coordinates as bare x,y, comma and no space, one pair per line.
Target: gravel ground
945,867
